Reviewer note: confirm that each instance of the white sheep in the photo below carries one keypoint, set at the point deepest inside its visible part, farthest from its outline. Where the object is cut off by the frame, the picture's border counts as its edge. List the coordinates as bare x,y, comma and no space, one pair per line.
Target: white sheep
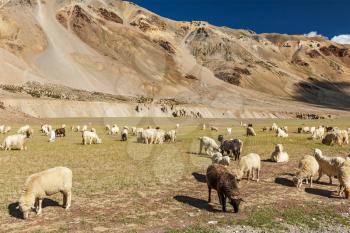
213,128
204,127
148,136
307,169
90,138
52,135
138,134
278,155
46,129
160,137
114,130
124,134
77,128
281,133
107,128
5,129
177,126
274,127
208,143
218,158
46,183
312,129
344,179
133,131
170,136
14,142
23,129
305,129
318,133
229,131
247,165
84,128
328,165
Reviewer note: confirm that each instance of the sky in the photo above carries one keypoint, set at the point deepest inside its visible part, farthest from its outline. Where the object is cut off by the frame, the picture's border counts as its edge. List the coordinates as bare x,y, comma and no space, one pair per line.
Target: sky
330,18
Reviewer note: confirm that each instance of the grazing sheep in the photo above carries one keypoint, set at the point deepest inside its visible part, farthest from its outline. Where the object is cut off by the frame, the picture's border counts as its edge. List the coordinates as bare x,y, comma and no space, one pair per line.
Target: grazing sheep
124,135
160,137
234,145
213,128
14,142
26,130
225,183
307,169
229,131
77,128
339,136
328,165
107,128
247,165
5,129
148,136
84,128
306,129
281,133
170,136
274,127
251,131
312,129
218,158
138,132
329,139
318,133
344,179
89,137
133,131
52,136
46,183
278,155
208,144
60,132
46,129
114,130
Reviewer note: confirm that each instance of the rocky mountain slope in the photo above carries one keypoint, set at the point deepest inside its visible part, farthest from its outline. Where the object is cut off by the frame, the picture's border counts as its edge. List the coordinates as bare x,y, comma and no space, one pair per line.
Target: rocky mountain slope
118,48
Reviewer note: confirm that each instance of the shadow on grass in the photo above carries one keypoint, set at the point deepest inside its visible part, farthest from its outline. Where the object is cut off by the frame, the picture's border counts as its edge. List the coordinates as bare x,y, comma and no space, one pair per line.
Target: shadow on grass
195,202
199,177
284,182
16,213
321,192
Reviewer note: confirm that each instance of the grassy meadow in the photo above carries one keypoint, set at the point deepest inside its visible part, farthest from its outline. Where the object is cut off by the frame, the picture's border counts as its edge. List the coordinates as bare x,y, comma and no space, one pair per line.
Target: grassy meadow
131,187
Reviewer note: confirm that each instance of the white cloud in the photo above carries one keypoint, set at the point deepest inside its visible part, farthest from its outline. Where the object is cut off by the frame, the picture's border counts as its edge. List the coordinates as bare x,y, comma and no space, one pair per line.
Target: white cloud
341,39
313,34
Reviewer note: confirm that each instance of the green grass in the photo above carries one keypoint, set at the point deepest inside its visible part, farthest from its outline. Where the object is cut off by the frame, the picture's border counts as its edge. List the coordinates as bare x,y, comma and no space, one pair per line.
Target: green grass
192,229
137,171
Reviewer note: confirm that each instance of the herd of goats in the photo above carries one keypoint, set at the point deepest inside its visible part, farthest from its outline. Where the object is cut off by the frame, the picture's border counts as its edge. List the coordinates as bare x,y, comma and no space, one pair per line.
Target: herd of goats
218,176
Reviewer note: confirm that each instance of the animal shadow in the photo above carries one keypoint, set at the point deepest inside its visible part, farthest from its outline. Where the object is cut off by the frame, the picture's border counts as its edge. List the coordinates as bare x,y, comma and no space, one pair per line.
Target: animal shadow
199,177
195,202
16,213
321,192
284,182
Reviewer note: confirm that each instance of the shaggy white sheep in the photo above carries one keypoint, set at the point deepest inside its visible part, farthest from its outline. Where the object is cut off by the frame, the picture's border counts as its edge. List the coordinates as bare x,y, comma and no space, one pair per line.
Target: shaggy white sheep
14,142
344,179
281,133
218,158
46,129
305,129
46,183
274,127
114,130
278,155
307,169
328,165
170,136
208,144
90,138
148,136
52,135
247,165
5,129
312,129
318,133
213,128
229,131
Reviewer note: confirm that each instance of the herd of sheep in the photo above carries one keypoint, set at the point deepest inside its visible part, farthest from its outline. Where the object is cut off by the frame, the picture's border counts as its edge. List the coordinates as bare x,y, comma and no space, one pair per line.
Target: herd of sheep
219,177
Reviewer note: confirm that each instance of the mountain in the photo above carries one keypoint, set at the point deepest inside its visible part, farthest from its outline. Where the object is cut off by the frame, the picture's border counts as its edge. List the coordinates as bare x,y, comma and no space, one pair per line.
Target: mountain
126,55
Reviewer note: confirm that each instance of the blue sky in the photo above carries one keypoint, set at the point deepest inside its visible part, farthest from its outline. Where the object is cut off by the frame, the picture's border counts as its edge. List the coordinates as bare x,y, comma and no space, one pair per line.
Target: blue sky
327,17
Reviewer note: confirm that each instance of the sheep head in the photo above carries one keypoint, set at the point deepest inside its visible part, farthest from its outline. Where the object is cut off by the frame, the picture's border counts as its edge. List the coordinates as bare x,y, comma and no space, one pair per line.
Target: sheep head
235,202
279,148
317,153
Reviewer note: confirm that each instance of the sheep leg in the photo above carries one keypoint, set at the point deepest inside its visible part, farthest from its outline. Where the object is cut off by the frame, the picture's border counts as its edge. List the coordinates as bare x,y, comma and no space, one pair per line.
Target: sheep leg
209,194
223,202
248,174
258,174
320,173
311,182
39,209
67,199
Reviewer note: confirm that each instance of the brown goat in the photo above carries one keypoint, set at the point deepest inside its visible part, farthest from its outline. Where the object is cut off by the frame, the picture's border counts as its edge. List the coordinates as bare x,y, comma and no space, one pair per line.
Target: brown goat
225,183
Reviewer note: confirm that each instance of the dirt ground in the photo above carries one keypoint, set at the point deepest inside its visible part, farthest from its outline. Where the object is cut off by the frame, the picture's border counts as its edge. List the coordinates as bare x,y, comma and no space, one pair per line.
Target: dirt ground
128,187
